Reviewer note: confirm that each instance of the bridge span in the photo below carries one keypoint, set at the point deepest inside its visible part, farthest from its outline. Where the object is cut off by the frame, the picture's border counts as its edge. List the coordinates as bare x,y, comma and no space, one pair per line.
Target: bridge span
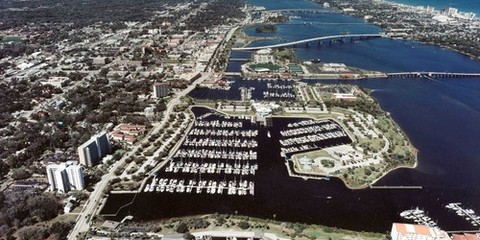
301,10
432,75
319,39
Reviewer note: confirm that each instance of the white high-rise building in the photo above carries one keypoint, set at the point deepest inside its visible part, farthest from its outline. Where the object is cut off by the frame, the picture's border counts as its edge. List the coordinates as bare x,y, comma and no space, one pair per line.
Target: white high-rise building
94,149
452,12
430,10
66,176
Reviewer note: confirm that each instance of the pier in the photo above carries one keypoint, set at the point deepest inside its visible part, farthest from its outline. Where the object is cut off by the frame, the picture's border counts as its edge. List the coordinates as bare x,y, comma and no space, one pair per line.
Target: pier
432,75
279,92
419,217
233,74
396,187
239,59
311,135
468,214
463,231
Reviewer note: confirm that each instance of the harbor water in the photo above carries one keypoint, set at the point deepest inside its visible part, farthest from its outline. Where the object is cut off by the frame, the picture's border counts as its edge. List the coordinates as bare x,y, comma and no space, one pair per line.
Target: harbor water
440,117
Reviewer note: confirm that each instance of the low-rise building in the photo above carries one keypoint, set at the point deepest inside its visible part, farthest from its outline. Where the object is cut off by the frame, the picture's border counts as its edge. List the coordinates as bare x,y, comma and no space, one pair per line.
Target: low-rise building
263,56
403,231
466,236
128,133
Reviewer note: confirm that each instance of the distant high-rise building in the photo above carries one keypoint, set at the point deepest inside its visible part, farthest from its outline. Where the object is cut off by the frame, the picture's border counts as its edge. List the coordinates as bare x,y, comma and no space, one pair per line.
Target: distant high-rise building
160,90
65,177
470,15
430,10
452,12
94,149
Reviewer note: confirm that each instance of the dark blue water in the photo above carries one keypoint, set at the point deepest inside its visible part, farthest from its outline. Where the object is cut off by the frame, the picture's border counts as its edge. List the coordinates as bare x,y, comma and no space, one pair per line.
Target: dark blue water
440,116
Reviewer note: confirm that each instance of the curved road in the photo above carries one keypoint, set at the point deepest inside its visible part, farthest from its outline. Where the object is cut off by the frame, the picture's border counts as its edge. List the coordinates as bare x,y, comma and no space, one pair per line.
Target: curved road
83,221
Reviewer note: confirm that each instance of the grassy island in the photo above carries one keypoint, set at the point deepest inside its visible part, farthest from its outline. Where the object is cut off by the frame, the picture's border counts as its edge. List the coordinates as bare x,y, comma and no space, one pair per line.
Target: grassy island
267,28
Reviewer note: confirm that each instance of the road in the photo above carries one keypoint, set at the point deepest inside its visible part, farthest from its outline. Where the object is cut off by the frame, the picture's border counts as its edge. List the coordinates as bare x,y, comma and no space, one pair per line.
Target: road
83,221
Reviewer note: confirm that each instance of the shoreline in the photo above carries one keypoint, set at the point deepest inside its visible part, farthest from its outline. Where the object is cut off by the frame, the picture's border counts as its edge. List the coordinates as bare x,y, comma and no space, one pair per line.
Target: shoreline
392,4
362,187
407,139
437,7
411,147
278,227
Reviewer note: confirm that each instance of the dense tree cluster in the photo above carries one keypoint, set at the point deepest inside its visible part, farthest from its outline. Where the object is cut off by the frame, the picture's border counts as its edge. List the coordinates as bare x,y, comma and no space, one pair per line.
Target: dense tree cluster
361,104
80,12
59,129
216,13
18,209
18,95
267,28
194,223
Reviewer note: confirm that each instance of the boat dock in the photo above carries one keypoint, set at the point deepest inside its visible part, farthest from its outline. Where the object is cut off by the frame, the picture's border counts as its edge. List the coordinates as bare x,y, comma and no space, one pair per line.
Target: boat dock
468,214
172,185
396,187
279,91
310,135
217,156
418,216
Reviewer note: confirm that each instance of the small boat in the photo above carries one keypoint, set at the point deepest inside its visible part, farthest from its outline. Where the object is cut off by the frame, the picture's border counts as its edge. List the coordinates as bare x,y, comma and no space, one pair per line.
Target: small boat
268,134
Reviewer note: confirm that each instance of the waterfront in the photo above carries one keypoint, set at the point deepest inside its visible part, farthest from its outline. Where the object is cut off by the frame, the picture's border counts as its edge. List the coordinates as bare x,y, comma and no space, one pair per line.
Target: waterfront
440,117
462,5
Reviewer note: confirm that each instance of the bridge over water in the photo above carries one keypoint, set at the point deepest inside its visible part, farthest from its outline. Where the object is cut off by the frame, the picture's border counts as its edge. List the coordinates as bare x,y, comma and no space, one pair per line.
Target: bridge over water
315,39
301,10
432,75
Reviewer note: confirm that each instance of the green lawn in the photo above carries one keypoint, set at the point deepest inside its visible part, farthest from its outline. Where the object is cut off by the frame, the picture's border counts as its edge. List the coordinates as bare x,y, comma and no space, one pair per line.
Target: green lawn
11,39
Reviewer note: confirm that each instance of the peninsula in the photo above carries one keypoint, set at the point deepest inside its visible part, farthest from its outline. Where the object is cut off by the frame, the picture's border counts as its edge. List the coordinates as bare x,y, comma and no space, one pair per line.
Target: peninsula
447,28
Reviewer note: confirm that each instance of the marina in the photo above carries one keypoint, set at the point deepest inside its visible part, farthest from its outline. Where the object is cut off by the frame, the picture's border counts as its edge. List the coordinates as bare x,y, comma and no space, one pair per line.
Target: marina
466,213
172,185
427,110
418,216
253,89
217,156
279,91
308,135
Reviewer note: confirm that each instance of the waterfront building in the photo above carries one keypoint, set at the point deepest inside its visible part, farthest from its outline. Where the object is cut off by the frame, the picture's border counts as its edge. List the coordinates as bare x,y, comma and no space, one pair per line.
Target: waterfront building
466,236
403,231
263,56
94,149
65,177
160,90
